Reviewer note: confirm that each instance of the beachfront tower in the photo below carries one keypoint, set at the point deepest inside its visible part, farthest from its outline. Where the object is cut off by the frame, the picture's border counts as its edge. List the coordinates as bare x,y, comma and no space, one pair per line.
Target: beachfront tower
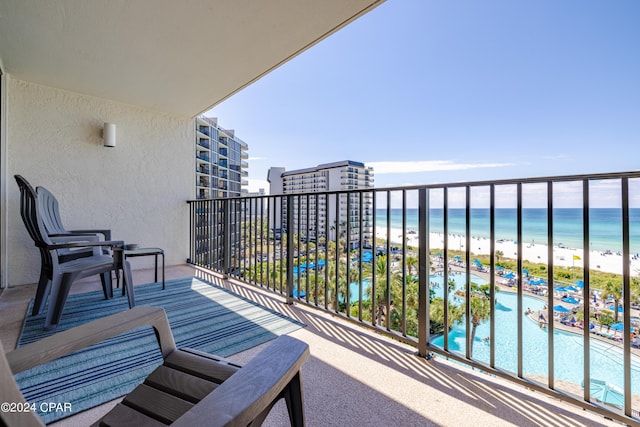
308,212
221,161
221,171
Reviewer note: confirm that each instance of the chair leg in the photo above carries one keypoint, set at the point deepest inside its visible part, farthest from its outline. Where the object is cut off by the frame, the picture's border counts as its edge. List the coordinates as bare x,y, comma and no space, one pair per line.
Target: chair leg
293,397
127,283
42,292
107,285
59,296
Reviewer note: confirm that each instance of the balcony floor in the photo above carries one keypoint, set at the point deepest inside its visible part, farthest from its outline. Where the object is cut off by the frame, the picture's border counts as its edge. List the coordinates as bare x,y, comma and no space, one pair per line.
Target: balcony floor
357,377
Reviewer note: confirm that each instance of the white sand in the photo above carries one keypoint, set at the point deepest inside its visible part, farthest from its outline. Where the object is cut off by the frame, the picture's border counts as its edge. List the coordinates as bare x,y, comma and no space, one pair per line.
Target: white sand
537,253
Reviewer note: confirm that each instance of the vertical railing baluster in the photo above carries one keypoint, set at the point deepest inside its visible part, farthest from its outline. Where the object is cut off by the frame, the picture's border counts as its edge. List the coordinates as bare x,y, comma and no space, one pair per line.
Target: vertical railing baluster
289,293
424,261
519,309
227,237
467,269
306,248
587,286
626,296
492,275
347,291
316,236
360,250
550,279
445,273
282,202
387,315
403,325
338,252
326,251
374,262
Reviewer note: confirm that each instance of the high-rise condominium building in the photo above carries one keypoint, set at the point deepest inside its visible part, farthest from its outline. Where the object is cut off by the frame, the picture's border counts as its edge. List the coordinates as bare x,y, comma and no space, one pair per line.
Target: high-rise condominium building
320,215
221,166
221,171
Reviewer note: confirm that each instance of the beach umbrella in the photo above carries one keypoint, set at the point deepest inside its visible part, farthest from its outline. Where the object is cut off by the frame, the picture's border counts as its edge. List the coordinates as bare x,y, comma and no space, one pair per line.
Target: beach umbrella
560,289
572,288
560,309
499,268
458,257
525,271
476,262
613,308
570,300
509,276
580,284
618,326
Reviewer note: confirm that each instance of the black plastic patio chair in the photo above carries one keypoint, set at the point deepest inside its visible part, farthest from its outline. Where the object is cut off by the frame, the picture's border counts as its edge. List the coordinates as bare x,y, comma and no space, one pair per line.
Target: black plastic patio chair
56,275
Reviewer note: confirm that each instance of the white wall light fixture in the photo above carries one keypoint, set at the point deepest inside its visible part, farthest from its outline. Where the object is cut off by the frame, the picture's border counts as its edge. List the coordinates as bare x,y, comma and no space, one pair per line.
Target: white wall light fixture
109,135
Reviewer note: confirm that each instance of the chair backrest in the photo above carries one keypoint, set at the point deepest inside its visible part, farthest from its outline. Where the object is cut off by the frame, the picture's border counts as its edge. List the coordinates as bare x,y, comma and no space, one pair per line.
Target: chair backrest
29,213
50,211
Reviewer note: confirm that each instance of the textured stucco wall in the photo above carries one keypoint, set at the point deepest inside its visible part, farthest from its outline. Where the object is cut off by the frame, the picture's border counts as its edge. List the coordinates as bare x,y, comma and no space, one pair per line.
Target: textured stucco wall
137,189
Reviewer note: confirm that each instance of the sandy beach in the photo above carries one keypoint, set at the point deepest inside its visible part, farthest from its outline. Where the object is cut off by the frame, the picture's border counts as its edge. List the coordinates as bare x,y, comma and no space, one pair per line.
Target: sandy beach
533,252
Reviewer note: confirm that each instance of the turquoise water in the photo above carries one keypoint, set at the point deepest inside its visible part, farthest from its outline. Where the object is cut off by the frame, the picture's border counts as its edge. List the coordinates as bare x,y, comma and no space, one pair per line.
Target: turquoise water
606,358
605,225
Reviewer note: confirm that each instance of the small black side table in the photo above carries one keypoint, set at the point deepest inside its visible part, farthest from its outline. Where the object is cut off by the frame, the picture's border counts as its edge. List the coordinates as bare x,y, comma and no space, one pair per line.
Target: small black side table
130,253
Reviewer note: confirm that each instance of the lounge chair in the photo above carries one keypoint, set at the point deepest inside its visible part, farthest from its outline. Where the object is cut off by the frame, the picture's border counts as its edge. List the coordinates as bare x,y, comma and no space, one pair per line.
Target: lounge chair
56,275
190,388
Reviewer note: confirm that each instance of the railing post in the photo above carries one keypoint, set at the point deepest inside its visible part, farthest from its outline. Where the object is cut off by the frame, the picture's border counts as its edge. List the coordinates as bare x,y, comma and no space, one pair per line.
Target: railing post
289,249
424,260
227,238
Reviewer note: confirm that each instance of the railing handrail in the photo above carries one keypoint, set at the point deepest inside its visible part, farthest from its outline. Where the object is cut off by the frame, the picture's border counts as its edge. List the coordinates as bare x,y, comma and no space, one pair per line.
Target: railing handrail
462,184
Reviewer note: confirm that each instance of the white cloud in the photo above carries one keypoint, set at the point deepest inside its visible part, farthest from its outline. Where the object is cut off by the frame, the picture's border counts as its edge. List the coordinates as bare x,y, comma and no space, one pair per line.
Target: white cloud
429,166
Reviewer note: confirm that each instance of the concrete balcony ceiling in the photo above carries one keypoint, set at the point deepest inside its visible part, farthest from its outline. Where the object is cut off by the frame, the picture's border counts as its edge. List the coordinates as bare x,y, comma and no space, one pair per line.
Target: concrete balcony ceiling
179,57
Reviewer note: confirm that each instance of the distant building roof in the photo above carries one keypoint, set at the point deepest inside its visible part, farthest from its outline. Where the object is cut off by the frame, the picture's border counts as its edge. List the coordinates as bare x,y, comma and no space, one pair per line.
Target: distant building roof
339,164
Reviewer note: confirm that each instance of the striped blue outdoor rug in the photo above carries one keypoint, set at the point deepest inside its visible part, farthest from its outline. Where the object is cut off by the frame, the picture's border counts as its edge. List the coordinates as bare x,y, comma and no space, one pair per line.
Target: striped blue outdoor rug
202,316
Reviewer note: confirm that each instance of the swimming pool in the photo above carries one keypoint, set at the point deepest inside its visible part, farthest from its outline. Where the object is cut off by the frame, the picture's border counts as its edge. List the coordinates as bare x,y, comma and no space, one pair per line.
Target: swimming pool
606,358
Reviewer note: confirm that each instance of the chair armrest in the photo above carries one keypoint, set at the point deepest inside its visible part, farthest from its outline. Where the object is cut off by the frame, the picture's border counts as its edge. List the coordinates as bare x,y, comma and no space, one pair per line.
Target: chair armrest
79,337
116,243
105,233
66,237
253,389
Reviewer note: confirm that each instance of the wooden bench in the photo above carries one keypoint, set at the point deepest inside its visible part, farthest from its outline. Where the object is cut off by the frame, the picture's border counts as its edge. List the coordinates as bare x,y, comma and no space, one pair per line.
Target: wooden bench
190,388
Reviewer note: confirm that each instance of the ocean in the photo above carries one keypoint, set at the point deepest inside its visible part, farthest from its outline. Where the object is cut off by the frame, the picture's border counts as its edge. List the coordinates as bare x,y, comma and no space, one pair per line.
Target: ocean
605,225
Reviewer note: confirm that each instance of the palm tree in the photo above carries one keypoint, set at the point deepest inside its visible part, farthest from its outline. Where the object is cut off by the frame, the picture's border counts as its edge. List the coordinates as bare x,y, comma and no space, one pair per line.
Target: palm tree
614,289
480,308
436,313
412,264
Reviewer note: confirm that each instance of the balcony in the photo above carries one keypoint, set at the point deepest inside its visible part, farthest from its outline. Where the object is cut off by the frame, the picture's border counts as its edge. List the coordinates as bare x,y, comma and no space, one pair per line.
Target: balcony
488,231
369,371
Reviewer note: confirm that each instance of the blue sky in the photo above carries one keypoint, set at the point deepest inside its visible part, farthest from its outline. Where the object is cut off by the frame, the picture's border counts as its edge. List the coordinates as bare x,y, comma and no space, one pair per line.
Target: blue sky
446,91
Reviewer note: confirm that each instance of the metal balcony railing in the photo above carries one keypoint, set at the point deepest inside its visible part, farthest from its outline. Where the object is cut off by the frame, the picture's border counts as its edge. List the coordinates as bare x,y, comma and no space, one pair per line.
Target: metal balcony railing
533,280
